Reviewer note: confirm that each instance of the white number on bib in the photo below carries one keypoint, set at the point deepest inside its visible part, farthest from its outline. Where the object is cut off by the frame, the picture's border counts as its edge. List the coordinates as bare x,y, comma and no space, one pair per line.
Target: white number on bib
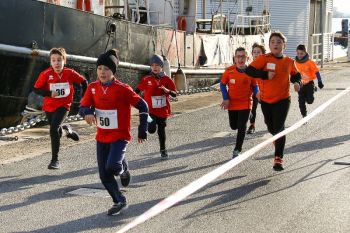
107,119
62,89
158,101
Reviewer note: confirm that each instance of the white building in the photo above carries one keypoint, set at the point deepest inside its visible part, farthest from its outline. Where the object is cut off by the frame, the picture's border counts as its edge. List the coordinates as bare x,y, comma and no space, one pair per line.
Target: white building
306,22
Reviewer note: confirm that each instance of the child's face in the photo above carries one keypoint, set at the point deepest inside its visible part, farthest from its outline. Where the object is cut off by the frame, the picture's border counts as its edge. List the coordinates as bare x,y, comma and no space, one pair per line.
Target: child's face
277,46
256,52
301,54
240,59
57,62
104,74
156,69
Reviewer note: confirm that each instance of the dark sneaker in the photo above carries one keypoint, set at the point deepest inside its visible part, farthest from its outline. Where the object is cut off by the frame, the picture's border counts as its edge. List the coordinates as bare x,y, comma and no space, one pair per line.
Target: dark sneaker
251,129
235,153
117,208
125,178
70,132
164,154
54,164
277,164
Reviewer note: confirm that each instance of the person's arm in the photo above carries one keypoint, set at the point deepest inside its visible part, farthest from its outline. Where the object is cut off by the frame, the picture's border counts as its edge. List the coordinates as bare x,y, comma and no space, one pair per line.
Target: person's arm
255,73
295,78
84,85
143,117
224,91
137,91
42,92
255,89
319,79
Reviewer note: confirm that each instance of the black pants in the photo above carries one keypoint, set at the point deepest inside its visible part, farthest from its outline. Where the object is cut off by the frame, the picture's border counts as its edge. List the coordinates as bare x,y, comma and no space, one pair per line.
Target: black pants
275,116
152,128
306,95
55,120
238,120
252,116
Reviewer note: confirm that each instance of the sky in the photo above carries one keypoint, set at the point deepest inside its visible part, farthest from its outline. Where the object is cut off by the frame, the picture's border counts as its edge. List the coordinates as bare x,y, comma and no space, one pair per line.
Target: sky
342,5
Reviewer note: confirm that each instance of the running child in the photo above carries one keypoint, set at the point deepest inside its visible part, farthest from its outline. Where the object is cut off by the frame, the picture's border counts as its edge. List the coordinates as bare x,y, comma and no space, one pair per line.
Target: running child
238,98
276,71
157,88
309,71
257,50
55,84
107,104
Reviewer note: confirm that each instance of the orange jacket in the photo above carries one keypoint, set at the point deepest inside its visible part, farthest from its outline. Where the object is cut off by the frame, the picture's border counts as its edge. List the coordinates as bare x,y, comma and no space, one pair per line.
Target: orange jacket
307,70
240,87
276,89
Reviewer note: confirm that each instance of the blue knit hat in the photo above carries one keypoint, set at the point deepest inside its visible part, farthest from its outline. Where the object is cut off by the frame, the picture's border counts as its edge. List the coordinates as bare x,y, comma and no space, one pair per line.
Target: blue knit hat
109,59
157,60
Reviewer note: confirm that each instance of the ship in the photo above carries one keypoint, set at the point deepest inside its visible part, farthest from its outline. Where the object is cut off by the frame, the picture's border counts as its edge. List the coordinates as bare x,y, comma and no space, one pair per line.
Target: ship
196,37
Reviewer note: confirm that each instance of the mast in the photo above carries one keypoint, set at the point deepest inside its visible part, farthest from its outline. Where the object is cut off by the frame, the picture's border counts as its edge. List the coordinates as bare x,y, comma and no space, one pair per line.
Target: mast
203,9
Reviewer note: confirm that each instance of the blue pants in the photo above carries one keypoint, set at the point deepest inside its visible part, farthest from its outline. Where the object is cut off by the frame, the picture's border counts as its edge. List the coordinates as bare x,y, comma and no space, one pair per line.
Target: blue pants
111,162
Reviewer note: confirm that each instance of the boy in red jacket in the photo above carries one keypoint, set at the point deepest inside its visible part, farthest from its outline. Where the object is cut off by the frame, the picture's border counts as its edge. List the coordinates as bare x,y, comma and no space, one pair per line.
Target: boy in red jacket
107,104
55,84
157,88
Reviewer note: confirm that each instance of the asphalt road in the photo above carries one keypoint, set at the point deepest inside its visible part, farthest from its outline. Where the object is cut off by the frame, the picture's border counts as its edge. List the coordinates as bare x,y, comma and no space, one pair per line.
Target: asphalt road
310,195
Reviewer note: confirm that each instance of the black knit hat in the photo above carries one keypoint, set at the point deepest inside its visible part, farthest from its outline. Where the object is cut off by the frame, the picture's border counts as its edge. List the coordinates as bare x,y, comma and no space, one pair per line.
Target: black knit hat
109,59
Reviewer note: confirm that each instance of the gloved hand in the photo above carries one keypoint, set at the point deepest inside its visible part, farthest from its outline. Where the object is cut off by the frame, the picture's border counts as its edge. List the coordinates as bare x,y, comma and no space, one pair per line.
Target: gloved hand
320,85
142,133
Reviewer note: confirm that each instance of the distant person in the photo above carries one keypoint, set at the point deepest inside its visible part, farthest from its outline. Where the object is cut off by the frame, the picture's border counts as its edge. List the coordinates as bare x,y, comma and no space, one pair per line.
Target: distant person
309,71
257,50
238,98
107,104
275,70
55,84
157,88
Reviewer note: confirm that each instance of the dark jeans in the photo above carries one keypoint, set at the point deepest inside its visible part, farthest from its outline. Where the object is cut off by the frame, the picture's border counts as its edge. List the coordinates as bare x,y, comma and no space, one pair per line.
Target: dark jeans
238,120
306,95
152,128
55,120
252,115
111,162
275,116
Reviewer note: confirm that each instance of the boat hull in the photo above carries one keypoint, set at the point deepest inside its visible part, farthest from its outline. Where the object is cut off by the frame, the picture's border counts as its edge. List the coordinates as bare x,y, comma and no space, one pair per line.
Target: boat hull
40,26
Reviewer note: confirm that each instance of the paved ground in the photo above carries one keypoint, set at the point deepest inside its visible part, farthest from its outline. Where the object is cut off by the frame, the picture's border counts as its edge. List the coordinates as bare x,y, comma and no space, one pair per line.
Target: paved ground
310,195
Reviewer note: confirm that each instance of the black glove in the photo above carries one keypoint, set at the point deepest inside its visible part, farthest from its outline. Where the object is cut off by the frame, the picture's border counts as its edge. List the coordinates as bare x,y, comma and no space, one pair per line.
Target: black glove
142,134
320,85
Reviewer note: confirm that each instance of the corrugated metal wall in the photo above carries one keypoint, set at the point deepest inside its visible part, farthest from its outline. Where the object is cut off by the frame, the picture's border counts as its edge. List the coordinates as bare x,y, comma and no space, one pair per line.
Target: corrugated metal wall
291,18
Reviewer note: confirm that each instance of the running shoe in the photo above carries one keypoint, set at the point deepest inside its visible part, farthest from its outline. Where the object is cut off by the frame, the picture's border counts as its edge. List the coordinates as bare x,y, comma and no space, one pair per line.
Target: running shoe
54,164
235,153
277,164
117,208
164,154
251,129
70,132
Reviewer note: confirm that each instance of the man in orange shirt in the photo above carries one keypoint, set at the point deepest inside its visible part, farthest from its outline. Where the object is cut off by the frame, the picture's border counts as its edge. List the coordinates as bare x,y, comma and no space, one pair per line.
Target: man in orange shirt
309,71
238,99
276,71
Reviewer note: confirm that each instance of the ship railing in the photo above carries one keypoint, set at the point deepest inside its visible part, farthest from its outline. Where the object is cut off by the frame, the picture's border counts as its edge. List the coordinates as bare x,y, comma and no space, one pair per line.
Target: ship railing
250,24
217,24
322,47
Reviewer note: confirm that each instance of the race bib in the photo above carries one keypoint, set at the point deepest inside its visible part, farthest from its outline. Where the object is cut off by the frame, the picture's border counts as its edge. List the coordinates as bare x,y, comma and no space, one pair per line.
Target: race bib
62,89
271,66
107,119
158,101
